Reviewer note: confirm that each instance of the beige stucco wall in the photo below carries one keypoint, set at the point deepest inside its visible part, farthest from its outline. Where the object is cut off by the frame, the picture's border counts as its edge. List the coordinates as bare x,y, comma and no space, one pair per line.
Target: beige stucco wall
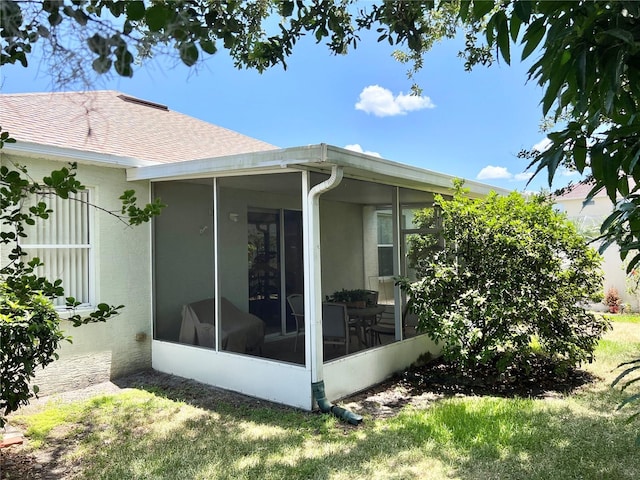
341,244
183,250
122,255
591,217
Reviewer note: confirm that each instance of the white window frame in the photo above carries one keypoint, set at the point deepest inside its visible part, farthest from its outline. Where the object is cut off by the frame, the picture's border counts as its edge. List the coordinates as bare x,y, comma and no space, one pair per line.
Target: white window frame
89,270
386,212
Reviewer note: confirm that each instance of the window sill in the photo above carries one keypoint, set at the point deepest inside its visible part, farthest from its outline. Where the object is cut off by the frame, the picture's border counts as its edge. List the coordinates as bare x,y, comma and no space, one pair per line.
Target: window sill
83,311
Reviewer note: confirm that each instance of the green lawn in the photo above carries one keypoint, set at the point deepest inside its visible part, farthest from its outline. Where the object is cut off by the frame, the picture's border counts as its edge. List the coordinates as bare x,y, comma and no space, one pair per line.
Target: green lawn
624,317
145,435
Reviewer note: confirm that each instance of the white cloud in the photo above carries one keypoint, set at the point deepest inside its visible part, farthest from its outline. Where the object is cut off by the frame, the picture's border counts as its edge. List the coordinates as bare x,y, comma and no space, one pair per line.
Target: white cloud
542,145
491,173
523,176
357,148
382,103
565,172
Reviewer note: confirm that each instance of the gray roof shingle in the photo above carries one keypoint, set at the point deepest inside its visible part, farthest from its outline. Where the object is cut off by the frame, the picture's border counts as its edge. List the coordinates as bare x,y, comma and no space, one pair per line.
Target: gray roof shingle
112,123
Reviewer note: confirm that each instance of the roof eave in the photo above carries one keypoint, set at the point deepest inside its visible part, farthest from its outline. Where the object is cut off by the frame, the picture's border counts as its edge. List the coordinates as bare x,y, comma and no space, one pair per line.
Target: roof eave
313,157
62,154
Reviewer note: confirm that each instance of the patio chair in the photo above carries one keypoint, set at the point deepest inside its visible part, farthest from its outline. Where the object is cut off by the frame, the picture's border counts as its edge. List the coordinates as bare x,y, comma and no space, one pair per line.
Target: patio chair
362,326
371,297
296,304
386,324
335,325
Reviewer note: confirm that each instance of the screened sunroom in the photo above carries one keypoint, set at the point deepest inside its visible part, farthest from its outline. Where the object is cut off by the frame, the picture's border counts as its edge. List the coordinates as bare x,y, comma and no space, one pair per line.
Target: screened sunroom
255,259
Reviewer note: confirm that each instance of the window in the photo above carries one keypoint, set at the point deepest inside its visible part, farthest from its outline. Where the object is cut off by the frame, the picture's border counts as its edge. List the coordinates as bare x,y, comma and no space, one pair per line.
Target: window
63,243
385,243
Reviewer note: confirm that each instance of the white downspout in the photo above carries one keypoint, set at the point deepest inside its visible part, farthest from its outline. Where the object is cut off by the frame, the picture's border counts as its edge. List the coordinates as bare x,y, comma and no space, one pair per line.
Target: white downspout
313,276
313,296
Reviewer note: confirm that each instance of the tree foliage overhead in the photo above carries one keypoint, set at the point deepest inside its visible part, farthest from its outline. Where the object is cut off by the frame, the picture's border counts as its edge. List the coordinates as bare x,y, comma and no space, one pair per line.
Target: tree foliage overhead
587,58
510,284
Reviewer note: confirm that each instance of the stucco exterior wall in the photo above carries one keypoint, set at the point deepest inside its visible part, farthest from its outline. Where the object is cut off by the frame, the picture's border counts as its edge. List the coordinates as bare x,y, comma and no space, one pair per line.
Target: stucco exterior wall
590,217
183,246
122,255
341,243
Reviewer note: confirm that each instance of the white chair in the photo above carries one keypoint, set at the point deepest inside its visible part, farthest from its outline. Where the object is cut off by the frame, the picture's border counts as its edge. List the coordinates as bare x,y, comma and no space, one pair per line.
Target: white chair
335,325
296,304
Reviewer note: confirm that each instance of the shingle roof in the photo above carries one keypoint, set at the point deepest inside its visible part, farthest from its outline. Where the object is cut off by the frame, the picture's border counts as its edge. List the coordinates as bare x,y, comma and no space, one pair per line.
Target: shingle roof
579,191
109,122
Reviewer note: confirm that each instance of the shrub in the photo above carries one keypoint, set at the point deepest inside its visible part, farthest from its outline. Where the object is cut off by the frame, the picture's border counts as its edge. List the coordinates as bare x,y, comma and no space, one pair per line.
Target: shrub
612,299
508,284
30,335
29,324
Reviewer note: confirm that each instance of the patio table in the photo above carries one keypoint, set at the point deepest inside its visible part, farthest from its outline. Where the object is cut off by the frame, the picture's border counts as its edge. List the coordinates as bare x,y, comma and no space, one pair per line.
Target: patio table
364,318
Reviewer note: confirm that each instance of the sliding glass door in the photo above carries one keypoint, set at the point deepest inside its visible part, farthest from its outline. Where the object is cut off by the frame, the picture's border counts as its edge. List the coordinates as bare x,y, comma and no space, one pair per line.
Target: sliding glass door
275,265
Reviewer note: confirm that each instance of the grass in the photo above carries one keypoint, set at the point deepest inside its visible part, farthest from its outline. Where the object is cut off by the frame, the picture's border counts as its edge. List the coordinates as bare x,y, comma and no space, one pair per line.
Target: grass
623,317
146,435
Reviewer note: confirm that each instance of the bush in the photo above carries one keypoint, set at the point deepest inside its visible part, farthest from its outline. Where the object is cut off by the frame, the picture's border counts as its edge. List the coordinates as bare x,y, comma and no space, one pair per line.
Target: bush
508,284
612,300
29,324
30,335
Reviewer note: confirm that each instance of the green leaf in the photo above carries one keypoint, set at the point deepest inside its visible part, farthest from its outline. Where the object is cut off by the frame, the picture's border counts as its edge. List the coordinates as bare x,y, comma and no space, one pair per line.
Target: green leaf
626,372
580,153
632,264
463,13
581,69
98,44
522,10
188,53
102,65
514,26
481,8
156,17
123,62
81,17
43,31
208,46
504,42
286,8
533,36
624,35
623,186
55,18
135,10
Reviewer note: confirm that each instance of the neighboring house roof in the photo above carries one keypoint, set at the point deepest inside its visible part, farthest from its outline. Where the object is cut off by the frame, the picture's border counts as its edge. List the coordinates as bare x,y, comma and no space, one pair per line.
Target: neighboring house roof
111,123
579,191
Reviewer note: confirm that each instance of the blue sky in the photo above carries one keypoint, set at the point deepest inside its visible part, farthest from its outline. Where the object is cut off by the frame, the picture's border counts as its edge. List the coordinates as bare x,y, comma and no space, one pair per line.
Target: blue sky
467,124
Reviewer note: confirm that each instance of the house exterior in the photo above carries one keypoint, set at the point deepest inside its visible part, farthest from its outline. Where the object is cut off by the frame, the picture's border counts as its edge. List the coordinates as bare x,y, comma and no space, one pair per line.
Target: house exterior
246,225
588,216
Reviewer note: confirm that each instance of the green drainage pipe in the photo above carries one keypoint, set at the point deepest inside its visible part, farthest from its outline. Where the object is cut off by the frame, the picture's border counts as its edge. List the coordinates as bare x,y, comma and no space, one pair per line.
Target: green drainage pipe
326,406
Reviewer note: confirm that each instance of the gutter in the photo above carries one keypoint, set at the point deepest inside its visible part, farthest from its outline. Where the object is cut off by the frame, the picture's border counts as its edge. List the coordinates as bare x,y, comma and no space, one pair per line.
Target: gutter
313,293
64,154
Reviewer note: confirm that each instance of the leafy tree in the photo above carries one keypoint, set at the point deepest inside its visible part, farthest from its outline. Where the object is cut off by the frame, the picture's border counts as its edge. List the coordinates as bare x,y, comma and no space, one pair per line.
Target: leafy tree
30,330
508,285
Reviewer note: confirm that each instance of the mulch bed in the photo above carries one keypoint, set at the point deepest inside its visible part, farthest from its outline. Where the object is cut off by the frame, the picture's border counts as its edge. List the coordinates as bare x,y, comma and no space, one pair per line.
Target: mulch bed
539,381
419,386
